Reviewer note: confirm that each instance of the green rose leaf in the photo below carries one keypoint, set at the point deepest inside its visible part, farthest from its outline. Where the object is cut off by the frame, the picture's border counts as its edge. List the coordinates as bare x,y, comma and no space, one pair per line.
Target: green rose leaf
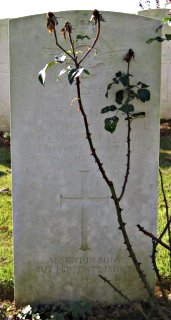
71,75
127,108
143,95
79,72
81,37
42,73
50,64
108,88
111,123
75,73
115,80
143,85
119,74
60,58
119,96
159,39
166,19
168,36
87,72
42,76
124,80
108,108
61,73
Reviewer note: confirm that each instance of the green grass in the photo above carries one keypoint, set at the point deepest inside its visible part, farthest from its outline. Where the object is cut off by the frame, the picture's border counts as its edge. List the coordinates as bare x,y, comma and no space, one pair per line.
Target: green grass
6,245
163,260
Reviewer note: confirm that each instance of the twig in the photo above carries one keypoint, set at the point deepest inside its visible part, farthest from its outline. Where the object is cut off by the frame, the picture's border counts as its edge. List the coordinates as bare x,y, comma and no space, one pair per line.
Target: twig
57,43
165,228
96,39
128,159
153,237
153,258
167,212
111,285
127,59
114,196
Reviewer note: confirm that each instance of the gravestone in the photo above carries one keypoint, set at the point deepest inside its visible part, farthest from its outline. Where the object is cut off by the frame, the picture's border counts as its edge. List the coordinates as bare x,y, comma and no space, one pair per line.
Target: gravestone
65,226
4,77
165,98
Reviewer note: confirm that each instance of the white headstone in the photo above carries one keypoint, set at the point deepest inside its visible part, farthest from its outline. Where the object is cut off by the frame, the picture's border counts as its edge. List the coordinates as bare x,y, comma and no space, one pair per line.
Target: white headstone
65,226
4,77
165,97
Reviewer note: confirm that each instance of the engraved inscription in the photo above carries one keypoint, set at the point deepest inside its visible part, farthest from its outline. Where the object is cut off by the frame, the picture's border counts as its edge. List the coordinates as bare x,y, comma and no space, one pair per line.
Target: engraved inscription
81,265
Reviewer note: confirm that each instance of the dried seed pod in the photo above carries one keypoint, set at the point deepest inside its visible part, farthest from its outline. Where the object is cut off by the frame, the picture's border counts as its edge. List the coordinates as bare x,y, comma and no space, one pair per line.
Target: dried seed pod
51,22
96,16
129,56
67,28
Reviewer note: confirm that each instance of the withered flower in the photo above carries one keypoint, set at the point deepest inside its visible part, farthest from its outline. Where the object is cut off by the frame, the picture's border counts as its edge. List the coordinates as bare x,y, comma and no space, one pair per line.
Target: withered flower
129,56
67,28
51,22
96,16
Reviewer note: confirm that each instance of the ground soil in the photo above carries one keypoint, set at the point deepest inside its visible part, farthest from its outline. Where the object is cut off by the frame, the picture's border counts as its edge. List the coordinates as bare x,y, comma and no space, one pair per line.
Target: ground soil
4,140
165,127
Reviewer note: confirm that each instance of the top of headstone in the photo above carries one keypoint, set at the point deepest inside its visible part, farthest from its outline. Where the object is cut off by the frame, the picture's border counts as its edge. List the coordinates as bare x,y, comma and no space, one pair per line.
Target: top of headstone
21,9
154,13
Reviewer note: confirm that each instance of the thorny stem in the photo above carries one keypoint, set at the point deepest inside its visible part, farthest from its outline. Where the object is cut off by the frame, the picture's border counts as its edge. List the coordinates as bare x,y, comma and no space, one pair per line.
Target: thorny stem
72,45
165,229
167,212
58,45
128,145
128,159
96,38
157,240
122,295
88,135
110,183
156,270
112,286
129,246
114,196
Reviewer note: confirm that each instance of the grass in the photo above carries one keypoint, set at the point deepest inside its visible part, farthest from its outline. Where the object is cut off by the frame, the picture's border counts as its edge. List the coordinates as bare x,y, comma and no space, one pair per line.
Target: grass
163,259
6,247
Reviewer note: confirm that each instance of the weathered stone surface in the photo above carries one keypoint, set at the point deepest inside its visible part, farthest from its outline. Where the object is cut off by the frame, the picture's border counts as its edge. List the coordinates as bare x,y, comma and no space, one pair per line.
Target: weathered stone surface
165,98
4,77
65,226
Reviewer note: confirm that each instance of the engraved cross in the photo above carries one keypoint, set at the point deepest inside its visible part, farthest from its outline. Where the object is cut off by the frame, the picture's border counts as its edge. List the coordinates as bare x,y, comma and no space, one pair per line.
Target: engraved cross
84,220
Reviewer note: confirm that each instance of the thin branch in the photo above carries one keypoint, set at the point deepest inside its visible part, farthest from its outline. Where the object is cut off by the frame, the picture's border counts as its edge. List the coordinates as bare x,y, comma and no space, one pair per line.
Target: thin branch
114,196
128,135
58,45
72,45
96,38
157,240
156,270
167,212
88,135
111,285
165,228
132,254
128,159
